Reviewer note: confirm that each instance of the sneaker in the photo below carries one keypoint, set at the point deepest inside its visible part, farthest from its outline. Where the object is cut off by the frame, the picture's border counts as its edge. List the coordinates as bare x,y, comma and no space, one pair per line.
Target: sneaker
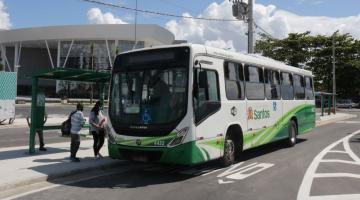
42,149
74,159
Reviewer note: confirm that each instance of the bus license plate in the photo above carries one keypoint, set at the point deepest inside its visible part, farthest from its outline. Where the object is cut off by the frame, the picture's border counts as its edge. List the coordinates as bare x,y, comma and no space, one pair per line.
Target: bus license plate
140,158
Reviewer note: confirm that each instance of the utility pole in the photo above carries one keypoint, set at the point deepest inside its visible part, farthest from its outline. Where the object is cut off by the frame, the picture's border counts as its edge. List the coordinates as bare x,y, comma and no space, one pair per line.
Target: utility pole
135,34
251,26
245,11
334,70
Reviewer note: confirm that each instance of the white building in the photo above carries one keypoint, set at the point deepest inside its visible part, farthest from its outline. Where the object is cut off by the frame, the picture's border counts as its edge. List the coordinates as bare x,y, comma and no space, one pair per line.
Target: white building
91,47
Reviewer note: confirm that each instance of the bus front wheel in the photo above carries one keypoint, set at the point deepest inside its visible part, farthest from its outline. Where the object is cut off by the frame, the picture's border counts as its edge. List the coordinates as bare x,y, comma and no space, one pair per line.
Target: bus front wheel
229,152
292,134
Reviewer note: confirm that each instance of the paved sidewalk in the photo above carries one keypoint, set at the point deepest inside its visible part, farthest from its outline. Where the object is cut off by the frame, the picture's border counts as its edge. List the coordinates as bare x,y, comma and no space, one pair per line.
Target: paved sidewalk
328,119
19,168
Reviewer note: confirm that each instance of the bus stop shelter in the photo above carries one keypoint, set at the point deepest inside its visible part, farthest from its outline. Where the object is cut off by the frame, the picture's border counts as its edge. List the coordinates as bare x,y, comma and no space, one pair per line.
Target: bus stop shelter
326,100
38,97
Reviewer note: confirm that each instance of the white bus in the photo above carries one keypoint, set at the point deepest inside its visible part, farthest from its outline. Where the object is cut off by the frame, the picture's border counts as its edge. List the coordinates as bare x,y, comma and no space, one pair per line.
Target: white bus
188,104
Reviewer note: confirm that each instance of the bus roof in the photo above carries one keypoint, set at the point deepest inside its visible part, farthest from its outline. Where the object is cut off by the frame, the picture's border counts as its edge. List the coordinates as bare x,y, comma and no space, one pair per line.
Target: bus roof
254,59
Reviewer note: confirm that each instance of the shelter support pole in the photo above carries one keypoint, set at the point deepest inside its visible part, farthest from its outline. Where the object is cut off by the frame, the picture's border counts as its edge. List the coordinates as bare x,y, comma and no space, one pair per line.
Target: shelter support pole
334,103
33,122
329,104
322,104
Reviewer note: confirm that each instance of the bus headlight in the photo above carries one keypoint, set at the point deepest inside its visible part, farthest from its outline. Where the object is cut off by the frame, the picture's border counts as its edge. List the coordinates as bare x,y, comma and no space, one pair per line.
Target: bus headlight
180,136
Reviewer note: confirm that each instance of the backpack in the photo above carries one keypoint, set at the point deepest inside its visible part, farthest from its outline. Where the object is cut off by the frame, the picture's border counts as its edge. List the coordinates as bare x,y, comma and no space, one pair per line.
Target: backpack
66,125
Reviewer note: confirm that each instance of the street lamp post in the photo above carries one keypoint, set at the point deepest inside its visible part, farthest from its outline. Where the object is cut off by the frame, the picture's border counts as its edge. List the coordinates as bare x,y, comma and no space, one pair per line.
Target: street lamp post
334,71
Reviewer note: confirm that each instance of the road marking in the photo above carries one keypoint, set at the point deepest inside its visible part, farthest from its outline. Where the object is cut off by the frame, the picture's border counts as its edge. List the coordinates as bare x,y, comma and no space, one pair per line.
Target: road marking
310,174
235,173
348,122
220,181
231,174
334,175
211,172
337,197
337,151
340,161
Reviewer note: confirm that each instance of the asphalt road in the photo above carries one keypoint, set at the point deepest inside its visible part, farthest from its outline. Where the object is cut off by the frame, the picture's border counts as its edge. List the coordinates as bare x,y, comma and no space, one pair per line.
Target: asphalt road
323,165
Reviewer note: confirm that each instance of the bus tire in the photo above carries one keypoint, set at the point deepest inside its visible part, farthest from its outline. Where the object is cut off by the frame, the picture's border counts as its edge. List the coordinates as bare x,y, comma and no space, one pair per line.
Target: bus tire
229,152
292,134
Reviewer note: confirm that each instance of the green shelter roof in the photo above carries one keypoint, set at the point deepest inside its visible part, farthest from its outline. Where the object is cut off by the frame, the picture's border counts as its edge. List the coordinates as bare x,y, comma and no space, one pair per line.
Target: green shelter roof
70,74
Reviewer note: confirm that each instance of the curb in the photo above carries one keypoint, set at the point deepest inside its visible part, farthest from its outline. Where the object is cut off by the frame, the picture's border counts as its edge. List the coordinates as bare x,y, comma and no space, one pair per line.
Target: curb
109,165
326,122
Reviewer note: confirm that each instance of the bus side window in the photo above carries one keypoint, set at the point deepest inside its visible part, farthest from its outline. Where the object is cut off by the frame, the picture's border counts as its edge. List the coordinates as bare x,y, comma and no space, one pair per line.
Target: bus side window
272,84
299,87
234,81
287,89
207,96
254,83
309,92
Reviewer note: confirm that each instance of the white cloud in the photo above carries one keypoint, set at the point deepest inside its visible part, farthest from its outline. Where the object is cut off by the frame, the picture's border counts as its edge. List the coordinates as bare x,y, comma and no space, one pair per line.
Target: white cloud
277,22
4,17
96,16
219,43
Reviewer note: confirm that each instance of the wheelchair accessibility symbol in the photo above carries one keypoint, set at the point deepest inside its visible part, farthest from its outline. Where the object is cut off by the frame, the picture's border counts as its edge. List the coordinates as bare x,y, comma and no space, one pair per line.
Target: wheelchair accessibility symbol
146,118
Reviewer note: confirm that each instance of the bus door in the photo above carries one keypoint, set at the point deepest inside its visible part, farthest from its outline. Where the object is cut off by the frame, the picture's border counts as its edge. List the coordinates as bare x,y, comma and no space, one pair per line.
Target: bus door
207,108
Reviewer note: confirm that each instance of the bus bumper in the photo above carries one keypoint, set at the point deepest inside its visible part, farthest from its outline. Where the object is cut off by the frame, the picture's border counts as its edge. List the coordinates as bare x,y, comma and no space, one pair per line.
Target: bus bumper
184,154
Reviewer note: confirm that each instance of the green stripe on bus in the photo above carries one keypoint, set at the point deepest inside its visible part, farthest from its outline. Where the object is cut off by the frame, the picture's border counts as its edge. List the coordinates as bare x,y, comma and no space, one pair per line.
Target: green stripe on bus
263,136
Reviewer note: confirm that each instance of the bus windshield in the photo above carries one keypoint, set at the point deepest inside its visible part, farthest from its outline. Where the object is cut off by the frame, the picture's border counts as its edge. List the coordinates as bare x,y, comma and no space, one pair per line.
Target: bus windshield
151,96
149,89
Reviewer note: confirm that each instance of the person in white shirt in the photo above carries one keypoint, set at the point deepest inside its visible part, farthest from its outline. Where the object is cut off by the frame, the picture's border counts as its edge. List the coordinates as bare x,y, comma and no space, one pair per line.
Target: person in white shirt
97,120
77,122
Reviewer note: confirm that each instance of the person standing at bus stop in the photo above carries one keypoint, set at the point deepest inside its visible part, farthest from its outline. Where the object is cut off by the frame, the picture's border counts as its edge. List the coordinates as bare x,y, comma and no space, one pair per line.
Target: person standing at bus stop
97,120
77,122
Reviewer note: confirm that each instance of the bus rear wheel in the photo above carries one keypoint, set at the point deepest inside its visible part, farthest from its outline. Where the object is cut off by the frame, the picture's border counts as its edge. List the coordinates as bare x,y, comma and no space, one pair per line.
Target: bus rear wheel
292,134
229,152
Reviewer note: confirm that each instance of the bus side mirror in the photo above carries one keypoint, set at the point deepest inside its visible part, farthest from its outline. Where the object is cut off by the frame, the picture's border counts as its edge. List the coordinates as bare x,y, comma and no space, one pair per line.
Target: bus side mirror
203,82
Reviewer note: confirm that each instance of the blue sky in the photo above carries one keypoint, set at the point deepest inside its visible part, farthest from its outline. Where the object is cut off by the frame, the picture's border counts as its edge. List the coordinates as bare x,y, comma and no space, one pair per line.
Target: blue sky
29,13
277,17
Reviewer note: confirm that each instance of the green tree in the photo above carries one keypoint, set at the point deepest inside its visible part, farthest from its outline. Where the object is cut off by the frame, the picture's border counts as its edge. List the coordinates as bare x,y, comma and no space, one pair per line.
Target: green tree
292,50
315,52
